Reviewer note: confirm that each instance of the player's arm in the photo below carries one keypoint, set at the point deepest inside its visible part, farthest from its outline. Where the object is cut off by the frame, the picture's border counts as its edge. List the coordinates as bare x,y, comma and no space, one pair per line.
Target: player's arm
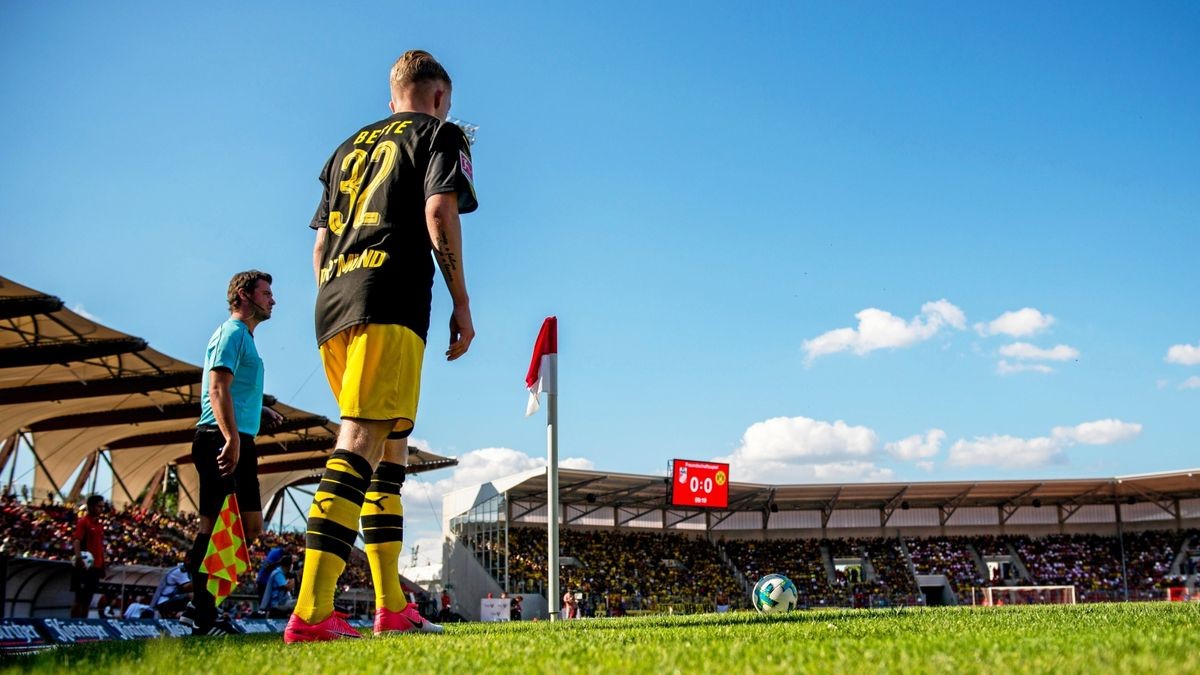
445,233
319,252
220,395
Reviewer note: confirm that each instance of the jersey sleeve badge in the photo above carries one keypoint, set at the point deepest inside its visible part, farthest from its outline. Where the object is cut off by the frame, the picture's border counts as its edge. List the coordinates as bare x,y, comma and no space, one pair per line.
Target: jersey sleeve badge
464,163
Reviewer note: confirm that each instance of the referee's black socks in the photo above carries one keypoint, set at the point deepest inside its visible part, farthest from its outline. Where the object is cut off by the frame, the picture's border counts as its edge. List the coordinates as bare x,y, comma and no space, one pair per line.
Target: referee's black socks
202,600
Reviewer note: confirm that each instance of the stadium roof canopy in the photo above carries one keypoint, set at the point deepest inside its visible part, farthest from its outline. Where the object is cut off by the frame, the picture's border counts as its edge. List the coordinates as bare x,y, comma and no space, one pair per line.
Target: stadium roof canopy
77,392
624,498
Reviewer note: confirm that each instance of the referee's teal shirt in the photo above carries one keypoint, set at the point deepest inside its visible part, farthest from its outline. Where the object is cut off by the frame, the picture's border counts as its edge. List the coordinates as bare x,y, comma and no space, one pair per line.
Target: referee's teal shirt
232,348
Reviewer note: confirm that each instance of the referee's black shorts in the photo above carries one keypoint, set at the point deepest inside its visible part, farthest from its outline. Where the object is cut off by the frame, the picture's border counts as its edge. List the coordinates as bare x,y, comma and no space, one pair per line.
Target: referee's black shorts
84,583
213,486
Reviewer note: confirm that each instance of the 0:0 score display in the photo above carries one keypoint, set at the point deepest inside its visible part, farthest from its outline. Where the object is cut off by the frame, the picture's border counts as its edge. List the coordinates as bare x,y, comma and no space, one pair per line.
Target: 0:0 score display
703,484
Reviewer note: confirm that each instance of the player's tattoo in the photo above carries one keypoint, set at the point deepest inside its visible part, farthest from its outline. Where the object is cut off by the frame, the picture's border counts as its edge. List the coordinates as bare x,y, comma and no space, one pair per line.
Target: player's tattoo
446,258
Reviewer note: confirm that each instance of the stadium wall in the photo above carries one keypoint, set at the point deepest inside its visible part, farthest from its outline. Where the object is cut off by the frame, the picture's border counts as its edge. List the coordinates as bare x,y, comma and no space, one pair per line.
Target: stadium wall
468,580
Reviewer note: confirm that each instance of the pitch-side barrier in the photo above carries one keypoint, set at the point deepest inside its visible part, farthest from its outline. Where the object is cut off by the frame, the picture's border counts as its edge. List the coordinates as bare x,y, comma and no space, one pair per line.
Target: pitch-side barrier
23,636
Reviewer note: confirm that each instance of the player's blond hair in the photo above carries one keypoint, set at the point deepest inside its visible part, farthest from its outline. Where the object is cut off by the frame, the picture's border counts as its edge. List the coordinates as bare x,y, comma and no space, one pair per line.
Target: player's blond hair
415,67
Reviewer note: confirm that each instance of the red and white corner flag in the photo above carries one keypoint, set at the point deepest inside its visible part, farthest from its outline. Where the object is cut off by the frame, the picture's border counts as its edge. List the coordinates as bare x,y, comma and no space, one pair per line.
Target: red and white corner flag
543,377
543,369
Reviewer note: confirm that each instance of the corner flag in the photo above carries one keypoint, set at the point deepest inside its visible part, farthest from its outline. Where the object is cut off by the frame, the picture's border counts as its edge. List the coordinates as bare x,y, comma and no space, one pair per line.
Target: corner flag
543,369
543,377
227,556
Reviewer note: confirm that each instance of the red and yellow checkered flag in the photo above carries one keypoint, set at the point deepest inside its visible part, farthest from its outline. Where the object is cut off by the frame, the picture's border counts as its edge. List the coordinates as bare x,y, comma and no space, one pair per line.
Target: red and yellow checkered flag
227,556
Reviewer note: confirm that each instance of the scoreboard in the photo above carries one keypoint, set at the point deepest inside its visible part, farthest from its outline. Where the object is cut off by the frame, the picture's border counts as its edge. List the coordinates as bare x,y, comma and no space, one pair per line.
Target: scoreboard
704,484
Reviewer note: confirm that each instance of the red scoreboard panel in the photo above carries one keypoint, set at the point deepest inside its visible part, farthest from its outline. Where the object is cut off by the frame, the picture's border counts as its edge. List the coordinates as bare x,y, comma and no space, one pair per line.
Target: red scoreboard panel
703,484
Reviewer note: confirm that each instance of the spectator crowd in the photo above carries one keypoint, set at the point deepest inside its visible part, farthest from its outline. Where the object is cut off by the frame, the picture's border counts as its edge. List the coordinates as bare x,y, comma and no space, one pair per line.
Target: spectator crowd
135,536
949,556
634,569
613,572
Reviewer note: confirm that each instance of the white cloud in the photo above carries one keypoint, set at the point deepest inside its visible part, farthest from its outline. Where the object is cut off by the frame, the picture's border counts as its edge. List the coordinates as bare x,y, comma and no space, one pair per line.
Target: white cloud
481,466
1023,351
878,329
917,446
824,472
1028,352
839,472
789,438
428,548
1192,382
1007,452
79,309
1184,355
800,449
1006,368
422,498
1021,323
925,466
1011,452
1100,432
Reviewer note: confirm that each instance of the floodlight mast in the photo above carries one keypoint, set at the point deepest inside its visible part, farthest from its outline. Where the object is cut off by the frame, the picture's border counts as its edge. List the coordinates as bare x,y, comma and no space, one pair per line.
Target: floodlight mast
469,130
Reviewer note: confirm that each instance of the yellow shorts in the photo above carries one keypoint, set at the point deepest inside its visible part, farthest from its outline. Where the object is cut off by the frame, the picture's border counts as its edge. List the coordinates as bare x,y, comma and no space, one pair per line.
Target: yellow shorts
375,372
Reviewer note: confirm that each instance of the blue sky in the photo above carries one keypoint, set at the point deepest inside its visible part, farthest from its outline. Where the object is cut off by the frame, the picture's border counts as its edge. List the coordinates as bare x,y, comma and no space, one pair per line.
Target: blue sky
701,195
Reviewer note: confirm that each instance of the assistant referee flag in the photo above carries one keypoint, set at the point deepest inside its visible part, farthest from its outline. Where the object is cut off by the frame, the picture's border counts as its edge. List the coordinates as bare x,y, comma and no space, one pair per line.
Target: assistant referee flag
227,557
543,368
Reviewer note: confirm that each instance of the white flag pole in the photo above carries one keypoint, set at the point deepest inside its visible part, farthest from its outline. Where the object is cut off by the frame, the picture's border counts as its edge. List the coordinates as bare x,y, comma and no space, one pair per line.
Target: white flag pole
552,491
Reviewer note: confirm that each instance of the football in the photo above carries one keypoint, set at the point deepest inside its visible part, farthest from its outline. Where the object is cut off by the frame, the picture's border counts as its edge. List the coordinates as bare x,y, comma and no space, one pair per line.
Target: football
774,594
88,559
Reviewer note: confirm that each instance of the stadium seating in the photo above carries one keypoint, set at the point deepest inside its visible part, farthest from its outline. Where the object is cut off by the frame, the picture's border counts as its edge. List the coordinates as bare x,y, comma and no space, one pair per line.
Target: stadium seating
799,560
1089,562
641,570
616,560
138,537
893,583
622,570
949,556
1092,563
1150,556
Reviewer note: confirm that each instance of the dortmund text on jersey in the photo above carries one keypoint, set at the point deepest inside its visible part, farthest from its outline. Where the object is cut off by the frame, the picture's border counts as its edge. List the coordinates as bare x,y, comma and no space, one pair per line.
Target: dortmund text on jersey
377,266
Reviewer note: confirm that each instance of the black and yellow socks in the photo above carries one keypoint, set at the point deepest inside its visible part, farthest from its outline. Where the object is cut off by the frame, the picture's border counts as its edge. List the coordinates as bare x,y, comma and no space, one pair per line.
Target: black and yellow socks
383,532
332,529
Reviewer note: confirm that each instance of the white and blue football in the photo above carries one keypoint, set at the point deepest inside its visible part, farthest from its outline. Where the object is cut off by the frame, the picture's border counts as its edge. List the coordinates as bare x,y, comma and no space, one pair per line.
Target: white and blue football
775,594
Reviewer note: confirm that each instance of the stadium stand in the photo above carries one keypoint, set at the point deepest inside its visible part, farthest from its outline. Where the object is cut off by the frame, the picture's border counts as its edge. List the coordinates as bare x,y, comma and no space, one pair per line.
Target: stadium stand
622,571
1091,563
799,560
630,571
949,556
637,568
134,536
1151,557
865,545
884,580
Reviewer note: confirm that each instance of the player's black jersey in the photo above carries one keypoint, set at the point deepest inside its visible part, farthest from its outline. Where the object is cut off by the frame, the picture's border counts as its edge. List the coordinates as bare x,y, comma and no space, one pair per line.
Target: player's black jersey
377,266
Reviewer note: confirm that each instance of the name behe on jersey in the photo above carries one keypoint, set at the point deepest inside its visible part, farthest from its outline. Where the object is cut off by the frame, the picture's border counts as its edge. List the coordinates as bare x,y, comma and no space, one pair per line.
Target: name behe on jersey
377,266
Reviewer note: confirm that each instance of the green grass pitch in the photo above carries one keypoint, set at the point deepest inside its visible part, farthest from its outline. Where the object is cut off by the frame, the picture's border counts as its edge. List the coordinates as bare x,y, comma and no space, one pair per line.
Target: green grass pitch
1117,638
